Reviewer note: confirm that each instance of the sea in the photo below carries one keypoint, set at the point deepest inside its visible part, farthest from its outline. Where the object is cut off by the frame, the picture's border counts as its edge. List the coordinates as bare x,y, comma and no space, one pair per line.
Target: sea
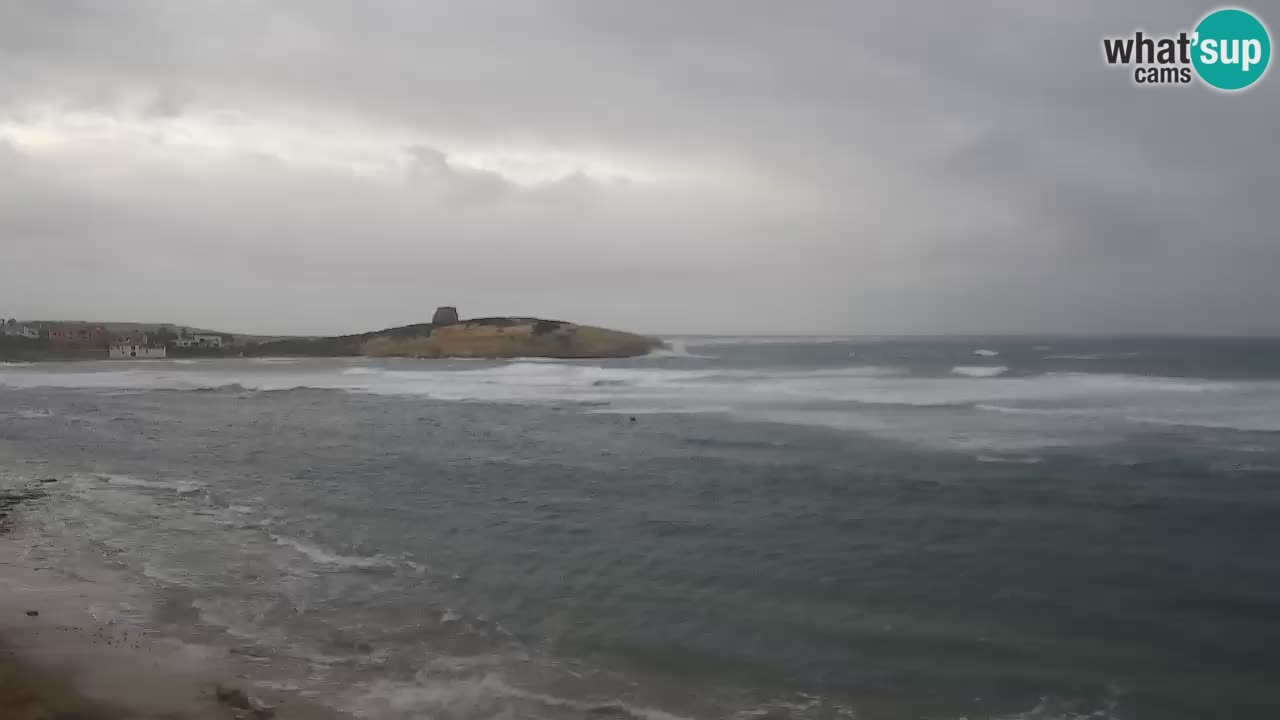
749,528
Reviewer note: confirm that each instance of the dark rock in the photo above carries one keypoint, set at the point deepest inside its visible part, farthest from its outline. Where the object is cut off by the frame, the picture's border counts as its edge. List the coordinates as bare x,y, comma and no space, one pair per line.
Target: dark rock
546,327
234,697
445,315
33,613
49,480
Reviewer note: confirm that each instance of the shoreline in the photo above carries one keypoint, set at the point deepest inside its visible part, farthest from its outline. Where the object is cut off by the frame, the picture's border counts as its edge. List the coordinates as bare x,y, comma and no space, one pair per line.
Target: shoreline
60,660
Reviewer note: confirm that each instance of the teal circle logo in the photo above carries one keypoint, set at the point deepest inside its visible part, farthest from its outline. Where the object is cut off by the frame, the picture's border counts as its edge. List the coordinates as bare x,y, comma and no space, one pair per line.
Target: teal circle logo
1231,49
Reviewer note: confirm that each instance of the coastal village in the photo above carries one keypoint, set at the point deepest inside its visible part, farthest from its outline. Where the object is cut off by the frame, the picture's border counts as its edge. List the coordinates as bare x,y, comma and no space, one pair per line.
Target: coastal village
118,341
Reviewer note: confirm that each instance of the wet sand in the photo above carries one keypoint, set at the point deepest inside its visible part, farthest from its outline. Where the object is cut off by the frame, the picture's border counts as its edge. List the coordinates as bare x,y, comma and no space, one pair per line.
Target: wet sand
58,661
27,693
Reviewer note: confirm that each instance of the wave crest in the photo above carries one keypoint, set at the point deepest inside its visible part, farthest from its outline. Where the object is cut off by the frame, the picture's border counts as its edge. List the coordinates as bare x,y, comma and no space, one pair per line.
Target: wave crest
979,371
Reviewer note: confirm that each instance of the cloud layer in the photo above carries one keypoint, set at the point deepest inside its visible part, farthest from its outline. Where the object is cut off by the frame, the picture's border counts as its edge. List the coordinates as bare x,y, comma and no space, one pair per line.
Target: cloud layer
667,167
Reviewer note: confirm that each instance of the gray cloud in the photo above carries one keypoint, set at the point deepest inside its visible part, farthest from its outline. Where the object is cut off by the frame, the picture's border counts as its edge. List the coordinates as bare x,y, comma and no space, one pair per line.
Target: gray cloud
705,167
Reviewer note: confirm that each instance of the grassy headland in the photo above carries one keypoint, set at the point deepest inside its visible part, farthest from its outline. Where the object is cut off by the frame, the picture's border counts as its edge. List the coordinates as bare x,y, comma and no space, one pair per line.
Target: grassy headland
499,337
494,337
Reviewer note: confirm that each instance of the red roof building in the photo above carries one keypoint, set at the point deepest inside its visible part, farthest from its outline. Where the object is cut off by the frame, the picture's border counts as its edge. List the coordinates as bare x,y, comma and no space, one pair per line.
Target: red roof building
79,335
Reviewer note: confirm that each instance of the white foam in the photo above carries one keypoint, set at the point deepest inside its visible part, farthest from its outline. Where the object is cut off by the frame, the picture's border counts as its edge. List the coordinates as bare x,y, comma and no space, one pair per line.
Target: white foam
979,371
712,340
841,397
1092,356
362,370
1241,419
324,557
484,696
988,407
180,486
1085,356
1011,459
983,352
676,349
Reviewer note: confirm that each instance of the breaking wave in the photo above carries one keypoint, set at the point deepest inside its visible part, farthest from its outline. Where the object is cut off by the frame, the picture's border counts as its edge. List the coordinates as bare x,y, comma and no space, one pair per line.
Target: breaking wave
182,487
979,371
487,695
844,397
321,556
676,349
1092,356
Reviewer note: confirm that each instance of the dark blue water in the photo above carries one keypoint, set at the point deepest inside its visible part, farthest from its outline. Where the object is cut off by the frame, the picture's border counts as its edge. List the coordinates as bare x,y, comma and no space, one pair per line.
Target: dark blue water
980,528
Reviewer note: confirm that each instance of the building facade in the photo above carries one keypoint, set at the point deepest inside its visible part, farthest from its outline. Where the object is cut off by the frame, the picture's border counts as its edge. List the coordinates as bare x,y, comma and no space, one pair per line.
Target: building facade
79,335
136,337
121,351
29,332
206,341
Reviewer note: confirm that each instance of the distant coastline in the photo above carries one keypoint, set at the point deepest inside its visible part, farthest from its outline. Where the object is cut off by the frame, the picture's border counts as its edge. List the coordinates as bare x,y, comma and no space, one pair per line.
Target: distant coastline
491,337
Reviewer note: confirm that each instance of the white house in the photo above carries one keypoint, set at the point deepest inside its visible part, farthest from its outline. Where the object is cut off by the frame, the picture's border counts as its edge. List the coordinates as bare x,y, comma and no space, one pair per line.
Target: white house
26,331
207,341
137,352
199,340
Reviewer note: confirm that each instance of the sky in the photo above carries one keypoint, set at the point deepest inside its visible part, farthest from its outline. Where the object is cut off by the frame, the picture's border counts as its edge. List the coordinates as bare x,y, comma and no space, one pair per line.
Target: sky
667,166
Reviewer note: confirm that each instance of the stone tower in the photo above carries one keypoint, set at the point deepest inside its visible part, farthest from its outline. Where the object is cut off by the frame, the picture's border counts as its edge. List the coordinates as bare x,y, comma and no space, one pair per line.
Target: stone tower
445,315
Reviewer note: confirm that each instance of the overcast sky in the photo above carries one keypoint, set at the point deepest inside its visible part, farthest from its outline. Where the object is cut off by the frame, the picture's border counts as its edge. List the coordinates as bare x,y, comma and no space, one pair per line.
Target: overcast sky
669,167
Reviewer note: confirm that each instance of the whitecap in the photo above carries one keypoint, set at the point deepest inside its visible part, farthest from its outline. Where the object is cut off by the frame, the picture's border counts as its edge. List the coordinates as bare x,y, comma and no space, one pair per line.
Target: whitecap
362,370
989,407
1244,422
676,348
182,487
1085,356
979,371
1011,459
325,557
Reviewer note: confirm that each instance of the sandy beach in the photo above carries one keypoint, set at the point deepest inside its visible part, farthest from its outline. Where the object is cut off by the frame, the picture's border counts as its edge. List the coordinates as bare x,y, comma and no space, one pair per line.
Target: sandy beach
60,659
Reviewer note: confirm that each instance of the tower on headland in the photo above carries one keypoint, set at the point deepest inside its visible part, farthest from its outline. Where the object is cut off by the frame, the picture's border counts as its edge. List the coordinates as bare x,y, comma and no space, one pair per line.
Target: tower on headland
445,315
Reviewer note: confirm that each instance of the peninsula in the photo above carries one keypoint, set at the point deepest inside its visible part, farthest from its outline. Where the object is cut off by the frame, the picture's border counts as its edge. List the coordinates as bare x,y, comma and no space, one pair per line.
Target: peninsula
445,336
492,337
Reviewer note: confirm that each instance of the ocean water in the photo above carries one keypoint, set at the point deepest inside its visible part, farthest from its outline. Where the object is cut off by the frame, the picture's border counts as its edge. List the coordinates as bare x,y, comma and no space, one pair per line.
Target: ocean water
732,528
